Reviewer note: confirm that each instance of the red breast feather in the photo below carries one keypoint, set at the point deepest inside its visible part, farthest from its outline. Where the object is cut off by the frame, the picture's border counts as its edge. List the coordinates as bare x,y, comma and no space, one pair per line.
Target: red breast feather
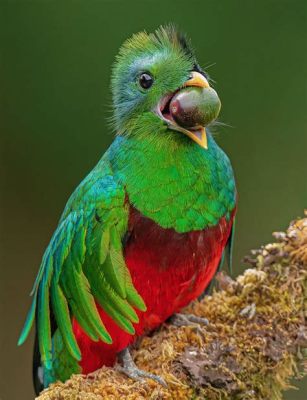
168,269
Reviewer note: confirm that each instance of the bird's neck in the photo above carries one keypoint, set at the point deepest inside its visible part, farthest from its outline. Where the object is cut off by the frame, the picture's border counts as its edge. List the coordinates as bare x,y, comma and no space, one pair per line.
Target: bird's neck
177,184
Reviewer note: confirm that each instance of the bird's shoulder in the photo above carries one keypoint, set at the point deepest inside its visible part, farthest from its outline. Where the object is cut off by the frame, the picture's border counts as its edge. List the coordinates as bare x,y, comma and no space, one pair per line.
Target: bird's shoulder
99,190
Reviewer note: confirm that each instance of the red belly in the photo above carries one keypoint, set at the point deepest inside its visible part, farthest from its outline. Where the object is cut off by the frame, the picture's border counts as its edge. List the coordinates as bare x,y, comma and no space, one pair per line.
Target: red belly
168,269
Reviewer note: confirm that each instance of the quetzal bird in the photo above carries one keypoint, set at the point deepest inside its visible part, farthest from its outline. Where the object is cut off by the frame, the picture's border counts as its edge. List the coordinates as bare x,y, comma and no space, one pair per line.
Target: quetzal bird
144,233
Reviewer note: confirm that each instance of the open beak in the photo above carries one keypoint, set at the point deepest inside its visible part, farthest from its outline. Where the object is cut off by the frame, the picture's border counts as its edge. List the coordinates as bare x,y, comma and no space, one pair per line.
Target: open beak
197,134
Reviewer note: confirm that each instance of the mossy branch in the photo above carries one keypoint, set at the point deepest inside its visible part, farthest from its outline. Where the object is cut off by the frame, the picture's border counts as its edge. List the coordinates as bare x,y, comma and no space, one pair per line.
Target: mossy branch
255,342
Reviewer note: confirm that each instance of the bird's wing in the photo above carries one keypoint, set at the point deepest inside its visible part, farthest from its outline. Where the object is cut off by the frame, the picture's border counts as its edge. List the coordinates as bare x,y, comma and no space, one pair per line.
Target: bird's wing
229,246
82,265
228,250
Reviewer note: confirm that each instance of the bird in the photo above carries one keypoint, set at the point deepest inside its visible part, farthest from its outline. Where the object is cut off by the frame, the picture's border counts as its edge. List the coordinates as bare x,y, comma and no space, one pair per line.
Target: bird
145,232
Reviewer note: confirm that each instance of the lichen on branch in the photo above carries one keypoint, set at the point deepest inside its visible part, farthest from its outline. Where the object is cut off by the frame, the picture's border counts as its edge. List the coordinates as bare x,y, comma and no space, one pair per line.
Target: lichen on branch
256,340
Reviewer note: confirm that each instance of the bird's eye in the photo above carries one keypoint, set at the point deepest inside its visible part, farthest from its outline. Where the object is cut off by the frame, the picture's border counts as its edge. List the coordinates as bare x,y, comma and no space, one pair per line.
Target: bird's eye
145,80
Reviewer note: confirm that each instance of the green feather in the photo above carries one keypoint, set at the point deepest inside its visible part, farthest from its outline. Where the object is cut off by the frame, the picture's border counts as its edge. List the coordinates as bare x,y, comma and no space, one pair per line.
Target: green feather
118,317
104,246
78,288
61,313
43,323
229,247
132,295
83,321
78,243
135,299
29,321
40,272
108,294
114,266
64,364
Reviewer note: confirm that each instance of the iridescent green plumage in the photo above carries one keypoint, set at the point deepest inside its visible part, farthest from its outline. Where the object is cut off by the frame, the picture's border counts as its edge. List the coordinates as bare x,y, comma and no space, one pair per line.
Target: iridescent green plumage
84,259
162,173
165,168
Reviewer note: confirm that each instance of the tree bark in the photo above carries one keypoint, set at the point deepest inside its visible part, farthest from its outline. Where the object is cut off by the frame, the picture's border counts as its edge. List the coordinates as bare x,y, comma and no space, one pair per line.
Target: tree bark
254,345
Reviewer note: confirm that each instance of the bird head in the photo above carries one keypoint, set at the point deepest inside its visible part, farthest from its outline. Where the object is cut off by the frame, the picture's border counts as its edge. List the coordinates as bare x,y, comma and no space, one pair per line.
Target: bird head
158,86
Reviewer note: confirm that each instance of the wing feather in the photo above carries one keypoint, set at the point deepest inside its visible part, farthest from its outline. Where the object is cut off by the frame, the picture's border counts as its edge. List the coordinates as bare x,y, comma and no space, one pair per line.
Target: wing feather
105,294
28,322
77,288
62,315
82,267
43,317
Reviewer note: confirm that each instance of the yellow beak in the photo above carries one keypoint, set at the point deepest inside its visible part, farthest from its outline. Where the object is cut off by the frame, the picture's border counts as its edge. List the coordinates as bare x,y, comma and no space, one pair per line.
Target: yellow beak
197,79
200,137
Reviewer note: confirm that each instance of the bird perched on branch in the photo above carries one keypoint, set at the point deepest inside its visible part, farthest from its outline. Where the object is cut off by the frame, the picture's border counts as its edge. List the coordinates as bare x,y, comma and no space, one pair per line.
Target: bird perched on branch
144,233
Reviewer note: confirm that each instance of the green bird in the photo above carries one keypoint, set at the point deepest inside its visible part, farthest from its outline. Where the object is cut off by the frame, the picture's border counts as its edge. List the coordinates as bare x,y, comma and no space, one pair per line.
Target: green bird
145,232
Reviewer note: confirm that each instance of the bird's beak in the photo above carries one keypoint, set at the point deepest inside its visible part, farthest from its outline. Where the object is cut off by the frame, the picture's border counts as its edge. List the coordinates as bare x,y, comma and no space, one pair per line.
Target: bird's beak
197,79
189,111
199,136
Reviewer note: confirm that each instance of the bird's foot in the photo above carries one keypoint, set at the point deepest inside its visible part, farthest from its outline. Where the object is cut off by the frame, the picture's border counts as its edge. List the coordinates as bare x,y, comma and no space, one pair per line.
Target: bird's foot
189,320
132,371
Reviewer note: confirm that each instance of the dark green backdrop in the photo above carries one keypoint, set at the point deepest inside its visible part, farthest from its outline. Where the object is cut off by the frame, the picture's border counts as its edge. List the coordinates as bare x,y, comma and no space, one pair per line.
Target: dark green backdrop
55,66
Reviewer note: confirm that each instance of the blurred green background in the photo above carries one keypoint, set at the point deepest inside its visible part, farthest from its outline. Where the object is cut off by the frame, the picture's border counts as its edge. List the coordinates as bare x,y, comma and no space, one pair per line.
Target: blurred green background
54,86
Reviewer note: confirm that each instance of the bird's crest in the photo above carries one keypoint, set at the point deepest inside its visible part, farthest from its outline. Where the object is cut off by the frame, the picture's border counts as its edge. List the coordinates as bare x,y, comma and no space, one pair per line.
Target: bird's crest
167,36
164,36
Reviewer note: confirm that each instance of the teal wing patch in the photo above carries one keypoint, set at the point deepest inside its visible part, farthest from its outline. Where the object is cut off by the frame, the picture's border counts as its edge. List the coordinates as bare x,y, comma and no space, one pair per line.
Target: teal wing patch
82,265
228,250
229,247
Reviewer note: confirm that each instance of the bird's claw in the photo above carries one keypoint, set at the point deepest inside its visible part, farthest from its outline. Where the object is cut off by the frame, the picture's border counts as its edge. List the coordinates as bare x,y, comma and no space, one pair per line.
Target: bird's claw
132,371
139,375
189,320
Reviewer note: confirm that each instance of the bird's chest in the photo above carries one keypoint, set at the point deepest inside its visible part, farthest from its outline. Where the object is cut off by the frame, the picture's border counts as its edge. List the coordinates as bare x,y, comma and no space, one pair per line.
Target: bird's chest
170,269
187,189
